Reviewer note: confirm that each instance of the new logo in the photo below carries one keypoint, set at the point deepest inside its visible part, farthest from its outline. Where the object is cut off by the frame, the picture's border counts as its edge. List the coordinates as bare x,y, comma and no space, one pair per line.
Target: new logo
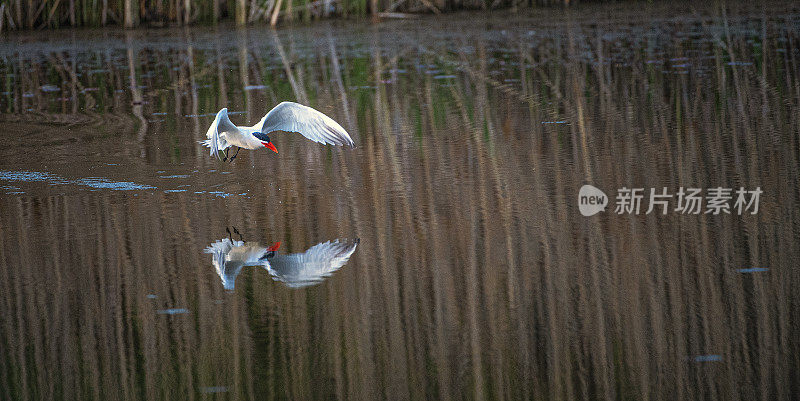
591,200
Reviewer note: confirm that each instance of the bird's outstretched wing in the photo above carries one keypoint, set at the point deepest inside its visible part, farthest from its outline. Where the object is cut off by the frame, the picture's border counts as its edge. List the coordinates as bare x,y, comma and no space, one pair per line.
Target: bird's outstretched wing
294,117
222,124
314,265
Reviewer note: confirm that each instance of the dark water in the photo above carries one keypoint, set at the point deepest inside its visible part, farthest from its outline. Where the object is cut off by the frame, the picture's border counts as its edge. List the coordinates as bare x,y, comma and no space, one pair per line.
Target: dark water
475,277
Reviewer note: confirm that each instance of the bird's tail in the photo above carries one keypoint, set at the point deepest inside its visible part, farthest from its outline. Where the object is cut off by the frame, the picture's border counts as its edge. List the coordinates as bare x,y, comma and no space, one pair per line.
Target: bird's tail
206,143
222,144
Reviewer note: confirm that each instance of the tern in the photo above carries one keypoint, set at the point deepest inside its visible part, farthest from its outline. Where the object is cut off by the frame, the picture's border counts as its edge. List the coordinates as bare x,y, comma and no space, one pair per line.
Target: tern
294,270
286,117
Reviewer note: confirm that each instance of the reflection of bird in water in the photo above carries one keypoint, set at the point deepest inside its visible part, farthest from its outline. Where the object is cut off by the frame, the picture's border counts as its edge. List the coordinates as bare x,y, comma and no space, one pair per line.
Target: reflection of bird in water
311,267
230,256
286,117
294,270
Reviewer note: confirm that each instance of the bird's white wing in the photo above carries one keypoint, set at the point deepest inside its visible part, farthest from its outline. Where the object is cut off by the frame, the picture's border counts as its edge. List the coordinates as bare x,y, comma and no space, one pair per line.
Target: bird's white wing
294,117
226,270
314,265
222,124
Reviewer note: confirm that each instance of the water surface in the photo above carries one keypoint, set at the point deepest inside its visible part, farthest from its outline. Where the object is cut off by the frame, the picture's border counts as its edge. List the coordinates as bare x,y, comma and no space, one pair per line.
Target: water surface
475,277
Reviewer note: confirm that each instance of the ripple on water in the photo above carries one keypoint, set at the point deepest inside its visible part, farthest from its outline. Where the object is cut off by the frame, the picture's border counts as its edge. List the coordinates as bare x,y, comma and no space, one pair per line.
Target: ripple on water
708,358
52,179
753,270
95,183
104,183
32,176
172,311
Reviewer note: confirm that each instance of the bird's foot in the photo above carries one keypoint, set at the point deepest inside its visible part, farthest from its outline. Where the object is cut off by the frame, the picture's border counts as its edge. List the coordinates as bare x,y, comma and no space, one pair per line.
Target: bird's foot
239,234
235,154
235,231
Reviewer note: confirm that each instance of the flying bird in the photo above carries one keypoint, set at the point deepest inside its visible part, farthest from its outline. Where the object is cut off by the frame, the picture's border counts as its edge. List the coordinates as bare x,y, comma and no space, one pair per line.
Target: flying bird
294,270
286,117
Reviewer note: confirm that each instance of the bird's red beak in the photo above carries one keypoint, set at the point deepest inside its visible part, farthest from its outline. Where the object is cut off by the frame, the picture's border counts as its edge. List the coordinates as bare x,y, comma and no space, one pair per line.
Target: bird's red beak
270,146
274,247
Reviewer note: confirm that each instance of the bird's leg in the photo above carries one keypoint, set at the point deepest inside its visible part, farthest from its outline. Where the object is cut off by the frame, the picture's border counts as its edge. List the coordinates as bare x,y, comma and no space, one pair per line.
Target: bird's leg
239,234
235,154
228,230
226,154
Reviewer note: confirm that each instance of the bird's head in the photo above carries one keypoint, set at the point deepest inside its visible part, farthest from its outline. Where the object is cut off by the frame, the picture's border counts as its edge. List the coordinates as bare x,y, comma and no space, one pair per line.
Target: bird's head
264,138
271,251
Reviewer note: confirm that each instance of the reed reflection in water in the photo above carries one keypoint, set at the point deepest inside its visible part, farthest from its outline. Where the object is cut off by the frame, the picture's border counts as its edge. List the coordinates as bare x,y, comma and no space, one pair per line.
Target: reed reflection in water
476,276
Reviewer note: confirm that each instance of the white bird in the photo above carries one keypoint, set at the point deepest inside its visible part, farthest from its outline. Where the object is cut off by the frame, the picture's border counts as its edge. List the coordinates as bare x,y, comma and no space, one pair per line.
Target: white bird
287,117
295,270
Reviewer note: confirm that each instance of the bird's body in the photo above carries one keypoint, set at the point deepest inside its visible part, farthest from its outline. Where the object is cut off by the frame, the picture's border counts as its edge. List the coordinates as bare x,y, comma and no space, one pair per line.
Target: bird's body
287,117
230,256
